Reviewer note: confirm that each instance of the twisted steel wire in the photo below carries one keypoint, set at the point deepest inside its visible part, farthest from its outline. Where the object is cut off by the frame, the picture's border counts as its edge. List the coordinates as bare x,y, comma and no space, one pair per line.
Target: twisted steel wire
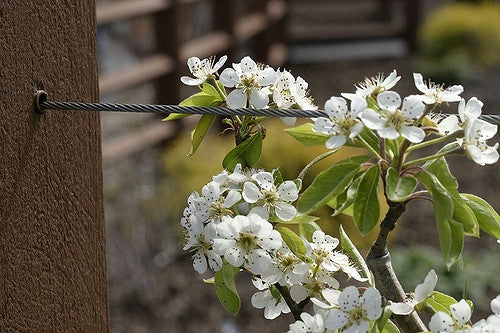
168,109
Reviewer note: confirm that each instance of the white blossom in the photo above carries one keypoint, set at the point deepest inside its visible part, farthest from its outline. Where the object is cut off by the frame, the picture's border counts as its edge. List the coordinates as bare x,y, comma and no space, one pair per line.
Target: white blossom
276,200
204,251
269,299
391,122
202,70
477,133
433,93
291,93
286,268
354,313
251,82
342,123
314,284
422,291
308,324
374,85
442,322
246,241
470,110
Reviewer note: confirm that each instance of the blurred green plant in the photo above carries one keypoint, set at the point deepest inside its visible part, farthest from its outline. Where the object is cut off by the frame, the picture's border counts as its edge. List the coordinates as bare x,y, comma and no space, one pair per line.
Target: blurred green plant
459,40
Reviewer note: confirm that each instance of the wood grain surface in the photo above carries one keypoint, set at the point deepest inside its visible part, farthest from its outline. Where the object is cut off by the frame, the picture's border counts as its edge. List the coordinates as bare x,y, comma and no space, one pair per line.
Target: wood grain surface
52,236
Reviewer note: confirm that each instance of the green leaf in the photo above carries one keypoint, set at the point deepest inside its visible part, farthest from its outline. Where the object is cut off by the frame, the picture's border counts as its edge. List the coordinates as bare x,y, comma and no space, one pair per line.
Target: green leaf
390,327
200,131
278,177
329,183
199,99
398,188
306,135
382,321
443,214
293,241
440,302
352,251
461,212
345,200
298,219
226,288
247,153
174,116
208,89
210,280
307,229
366,205
488,219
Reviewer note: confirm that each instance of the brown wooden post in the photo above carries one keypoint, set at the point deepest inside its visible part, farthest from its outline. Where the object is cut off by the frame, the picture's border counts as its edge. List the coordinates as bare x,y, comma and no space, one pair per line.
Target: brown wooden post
52,235
262,41
224,16
167,42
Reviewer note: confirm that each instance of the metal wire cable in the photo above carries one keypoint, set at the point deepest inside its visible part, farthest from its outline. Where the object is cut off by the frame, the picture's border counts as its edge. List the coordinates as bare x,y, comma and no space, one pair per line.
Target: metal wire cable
41,104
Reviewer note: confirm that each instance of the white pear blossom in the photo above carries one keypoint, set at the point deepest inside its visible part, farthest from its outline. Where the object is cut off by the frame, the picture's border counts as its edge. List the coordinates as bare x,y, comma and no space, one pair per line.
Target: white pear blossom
342,124
374,85
308,324
276,200
314,284
269,299
477,133
470,110
286,268
251,81
204,252
449,125
434,93
391,122
202,70
422,291
492,323
246,241
354,313
443,322
291,93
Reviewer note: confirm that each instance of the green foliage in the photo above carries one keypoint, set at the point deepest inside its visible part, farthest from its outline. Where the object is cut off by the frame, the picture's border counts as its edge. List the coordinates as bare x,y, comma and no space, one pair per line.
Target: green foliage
226,288
459,38
294,242
349,248
200,131
487,217
329,183
450,232
366,205
247,153
399,188
305,135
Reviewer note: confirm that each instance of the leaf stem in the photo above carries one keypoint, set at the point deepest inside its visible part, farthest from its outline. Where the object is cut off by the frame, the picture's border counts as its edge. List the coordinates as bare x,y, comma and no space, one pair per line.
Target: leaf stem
294,307
453,135
432,157
314,161
367,146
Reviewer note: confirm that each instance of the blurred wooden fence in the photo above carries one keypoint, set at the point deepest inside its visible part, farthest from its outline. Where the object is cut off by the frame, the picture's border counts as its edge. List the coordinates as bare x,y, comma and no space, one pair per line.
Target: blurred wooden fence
257,25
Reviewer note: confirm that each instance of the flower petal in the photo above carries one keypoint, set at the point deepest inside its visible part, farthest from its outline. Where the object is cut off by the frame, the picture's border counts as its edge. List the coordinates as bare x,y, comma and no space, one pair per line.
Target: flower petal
413,107
234,256
336,107
388,133
285,211
441,322
237,99
287,191
229,78
423,290
371,302
266,76
419,82
413,134
461,311
372,119
219,63
336,141
336,319
259,99
192,82
248,66
349,299
389,100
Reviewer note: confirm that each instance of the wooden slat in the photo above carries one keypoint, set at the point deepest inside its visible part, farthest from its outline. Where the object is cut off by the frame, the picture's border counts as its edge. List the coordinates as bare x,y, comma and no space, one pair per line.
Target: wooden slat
277,55
110,12
212,43
148,69
146,136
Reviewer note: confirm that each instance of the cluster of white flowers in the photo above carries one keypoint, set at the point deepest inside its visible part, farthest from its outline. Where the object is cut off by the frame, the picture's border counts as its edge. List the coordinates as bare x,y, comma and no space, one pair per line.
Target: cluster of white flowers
254,85
373,105
230,221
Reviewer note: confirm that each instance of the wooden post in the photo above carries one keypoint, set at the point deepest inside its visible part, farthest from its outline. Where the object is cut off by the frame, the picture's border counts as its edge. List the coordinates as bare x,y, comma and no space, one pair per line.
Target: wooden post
52,235
224,16
167,42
